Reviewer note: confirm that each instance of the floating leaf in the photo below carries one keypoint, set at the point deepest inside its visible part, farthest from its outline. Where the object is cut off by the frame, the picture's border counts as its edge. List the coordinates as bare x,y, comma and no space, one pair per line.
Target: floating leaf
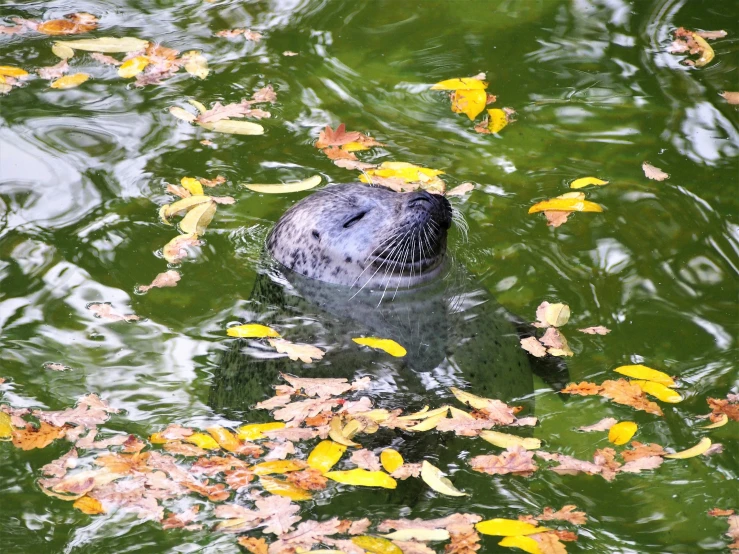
277,466
62,51
106,45
284,488
659,391
722,420
387,345
430,422
645,373
554,315
335,432
182,114
193,185
325,455
88,505
304,352
198,219
196,64
376,545
234,127
654,173
363,478
255,431
527,544
469,101
175,249
203,441
498,120
508,527
252,331
70,81
435,479
585,181
401,170
225,438
697,450
184,205
134,66
391,460
6,429
565,205
504,440
460,84
621,432
731,97
299,186
11,71
461,190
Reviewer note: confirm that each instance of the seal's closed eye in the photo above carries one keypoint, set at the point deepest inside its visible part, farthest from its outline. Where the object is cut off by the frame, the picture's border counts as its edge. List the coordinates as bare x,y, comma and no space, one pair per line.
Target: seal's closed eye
351,221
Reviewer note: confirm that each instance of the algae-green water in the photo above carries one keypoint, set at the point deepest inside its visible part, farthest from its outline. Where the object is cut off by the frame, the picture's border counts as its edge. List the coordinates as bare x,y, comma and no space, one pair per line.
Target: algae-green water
596,92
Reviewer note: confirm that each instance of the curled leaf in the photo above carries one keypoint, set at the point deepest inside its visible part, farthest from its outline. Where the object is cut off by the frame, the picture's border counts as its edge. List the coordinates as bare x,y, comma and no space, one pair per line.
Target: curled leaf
697,450
470,102
435,479
565,205
106,45
234,127
299,186
460,84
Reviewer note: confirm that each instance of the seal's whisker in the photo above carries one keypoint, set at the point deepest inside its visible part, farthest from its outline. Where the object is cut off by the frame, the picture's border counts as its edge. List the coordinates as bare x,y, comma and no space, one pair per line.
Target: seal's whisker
403,244
385,260
459,220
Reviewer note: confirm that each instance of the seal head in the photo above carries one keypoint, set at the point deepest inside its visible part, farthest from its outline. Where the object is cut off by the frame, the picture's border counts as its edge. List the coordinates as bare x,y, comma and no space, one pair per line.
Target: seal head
364,236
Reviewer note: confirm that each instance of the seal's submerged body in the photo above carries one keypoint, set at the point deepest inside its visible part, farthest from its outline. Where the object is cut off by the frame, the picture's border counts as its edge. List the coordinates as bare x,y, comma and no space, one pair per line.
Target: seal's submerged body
357,260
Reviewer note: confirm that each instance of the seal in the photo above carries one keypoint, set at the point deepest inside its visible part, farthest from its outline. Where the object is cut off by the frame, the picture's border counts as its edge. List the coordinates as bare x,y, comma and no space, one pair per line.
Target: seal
360,235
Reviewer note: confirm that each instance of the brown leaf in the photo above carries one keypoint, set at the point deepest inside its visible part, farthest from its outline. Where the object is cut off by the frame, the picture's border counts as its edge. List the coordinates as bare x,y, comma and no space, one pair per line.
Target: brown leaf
289,53
308,479
89,506
295,412
646,462
253,545
730,407
53,71
183,448
55,366
323,388
104,59
217,464
549,543
219,180
177,190
654,173
339,137
461,190
13,29
181,520
514,460
718,512
731,97
556,341
599,330
711,35
252,36
104,310
176,249
336,153
413,547
279,450
89,412
230,33
533,347
59,467
75,23
167,279
603,464
264,94
566,513
275,513
366,459
640,450
306,353
583,388
555,218
406,470
603,425
623,392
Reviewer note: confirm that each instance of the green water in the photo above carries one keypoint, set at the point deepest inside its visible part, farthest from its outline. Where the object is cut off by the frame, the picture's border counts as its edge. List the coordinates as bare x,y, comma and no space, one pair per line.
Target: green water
82,176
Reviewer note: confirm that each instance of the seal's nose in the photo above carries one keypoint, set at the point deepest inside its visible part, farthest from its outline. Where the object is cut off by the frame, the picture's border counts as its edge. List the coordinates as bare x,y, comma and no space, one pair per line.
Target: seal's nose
435,205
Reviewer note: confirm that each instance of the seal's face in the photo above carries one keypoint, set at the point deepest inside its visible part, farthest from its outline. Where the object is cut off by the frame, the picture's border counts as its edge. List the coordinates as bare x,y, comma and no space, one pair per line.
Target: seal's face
364,236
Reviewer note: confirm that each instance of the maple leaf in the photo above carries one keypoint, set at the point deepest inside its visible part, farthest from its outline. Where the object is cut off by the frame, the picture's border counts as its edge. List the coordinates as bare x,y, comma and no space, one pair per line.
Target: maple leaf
253,545
566,513
239,478
295,351
583,388
640,450
598,330
32,437
603,425
104,310
324,387
515,459
339,137
89,412
275,513
182,519
549,543
622,391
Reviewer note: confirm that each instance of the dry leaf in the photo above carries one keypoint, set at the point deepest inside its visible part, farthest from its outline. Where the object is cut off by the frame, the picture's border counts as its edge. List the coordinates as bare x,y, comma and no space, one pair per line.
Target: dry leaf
533,347
176,249
598,330
731,97
104,310
603,425
166,279
653,173
54,71
515,459
295,351
32,437
70,81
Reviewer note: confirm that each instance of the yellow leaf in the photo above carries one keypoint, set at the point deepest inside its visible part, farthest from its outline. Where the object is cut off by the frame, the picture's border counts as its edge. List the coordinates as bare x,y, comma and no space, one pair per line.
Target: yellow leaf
646,373
457,84
6,428
430,422
335,432
251,331
419,535
477,402
659,391
585,181
255,431
184,205
62,51
181,113
193,185
363,478
196,64
557,315
388,345
234,127
88,505
174,250
10,71
203,441
402,170
527,544
106,45
226,439
508,527
354,147
722,420
504,440
470,102
198,105
134,66
157,438
697,450
284,488
622,432
565,205
198,219
425,413
277,466
498,120
287,187
434,478
325,455
420,414
390,460
707,53
70,81
376,545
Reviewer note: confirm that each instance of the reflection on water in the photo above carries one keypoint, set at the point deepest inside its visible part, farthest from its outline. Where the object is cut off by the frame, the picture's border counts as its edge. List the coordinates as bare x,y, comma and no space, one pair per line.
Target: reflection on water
82,175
